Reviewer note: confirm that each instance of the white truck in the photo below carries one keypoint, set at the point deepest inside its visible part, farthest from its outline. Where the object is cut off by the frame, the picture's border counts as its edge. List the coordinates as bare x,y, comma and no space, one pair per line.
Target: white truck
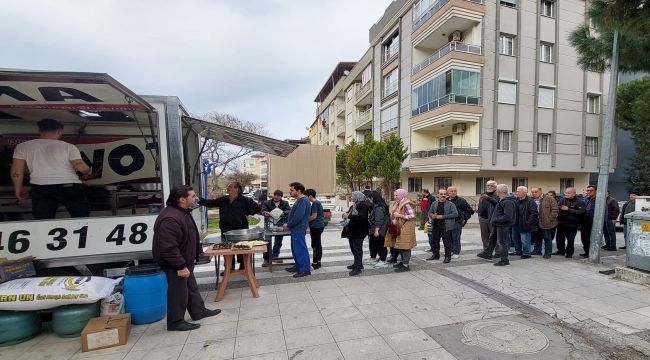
138,147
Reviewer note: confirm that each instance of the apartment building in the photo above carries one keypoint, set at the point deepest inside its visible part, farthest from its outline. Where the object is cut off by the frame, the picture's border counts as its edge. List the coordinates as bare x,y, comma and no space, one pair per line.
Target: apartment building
478,90
256,163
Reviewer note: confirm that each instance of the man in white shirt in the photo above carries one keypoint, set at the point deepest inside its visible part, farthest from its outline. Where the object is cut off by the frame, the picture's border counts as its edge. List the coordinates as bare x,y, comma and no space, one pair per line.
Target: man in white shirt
52,165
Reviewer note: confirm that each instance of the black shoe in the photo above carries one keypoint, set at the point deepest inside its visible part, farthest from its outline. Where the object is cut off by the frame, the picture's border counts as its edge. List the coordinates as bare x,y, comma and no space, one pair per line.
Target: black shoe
546,256
316,266
446,260
351,267
623,247
400,264
484,256
610,248
558,253
391,261
291,269
568,256
502,263
402,268
432,258
355,272
515,254
301,274
207,313
525,256
182,326
584,255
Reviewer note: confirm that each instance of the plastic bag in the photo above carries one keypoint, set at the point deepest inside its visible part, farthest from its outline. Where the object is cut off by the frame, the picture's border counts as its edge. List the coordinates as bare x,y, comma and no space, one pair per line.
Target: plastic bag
113,305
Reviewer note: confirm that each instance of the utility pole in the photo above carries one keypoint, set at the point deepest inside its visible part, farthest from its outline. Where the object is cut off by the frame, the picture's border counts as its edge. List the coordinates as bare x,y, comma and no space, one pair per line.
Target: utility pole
605,154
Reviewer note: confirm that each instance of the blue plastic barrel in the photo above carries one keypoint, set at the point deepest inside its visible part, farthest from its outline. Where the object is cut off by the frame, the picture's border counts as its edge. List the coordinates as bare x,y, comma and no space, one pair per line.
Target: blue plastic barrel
18,326
145,293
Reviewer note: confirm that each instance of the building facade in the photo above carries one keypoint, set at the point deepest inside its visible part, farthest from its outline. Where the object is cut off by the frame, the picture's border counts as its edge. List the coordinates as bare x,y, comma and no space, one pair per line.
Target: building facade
480,90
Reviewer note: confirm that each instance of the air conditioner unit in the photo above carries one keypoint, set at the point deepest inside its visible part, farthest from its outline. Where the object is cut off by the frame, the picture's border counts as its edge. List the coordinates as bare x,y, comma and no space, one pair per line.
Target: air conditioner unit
456,36
458,128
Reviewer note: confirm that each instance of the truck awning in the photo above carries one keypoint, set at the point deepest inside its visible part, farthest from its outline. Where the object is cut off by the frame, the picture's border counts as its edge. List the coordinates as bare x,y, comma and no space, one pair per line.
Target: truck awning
239,137
70,97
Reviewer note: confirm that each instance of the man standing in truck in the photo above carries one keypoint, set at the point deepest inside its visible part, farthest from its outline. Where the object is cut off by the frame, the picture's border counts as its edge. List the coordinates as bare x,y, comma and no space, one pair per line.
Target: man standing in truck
52,164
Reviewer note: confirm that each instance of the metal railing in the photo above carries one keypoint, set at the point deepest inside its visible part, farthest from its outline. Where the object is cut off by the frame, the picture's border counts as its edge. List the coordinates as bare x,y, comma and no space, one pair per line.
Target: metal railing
364,116
434,8
362,90
452,46
445,151
340,129
447,99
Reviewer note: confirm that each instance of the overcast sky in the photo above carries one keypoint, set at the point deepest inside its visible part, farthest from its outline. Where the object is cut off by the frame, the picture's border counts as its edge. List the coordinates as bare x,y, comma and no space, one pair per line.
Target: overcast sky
260,60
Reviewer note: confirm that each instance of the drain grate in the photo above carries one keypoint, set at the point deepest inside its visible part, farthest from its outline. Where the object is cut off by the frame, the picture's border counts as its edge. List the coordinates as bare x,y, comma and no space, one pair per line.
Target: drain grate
504,336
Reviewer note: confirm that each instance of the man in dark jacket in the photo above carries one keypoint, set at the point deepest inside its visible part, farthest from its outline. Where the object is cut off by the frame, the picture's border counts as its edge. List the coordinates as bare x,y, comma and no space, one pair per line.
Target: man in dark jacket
526,224
570,218
589,200
627,208
269,205
486,205
609,225
233,211
502,219
464,213
175,247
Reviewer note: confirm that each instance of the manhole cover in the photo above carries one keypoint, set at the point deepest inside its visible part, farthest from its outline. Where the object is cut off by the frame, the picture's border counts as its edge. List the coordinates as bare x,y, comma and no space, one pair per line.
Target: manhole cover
505,337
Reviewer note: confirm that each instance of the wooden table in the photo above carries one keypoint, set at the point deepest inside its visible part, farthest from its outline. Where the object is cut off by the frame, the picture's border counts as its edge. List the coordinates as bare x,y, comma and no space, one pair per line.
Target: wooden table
248,272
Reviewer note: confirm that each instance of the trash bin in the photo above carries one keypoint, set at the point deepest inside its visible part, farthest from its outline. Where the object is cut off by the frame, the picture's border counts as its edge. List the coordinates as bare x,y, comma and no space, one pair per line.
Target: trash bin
638,240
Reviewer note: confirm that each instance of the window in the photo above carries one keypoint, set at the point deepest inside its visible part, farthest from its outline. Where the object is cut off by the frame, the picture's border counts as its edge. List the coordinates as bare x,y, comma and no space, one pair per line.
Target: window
591,146
506,45
593,104
388,118
465,85
509,3
480,184
566,183
543,141
441,183
390,83
445,141
519,181
503,140
548,8
415,185
546,97
507,92
390,48
366,75
546,52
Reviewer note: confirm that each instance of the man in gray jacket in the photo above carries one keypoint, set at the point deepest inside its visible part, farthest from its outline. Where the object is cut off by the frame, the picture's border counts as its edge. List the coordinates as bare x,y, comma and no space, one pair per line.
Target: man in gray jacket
442,214
502,219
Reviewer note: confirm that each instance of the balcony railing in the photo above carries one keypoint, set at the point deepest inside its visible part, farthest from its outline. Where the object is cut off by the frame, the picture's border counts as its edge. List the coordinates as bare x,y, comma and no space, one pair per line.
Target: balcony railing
362,90
434,8
447,99
445,151
340,129
363,117
452,46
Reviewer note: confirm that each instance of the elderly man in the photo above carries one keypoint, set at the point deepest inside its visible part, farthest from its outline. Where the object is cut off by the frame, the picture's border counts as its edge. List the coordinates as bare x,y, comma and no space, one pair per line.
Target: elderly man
570,217
609,227
527,223
627,208
589,202
442,214
175,247
464,213
487,202
502,219
548,213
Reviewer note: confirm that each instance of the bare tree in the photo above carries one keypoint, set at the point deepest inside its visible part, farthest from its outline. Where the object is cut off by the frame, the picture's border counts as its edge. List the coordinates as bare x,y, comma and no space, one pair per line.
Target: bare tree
244,178
225,155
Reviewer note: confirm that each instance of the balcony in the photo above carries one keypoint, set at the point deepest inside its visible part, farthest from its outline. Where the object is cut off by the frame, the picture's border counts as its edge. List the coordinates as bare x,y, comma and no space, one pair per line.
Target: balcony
447,158
340,130
447,99
340,110
362,95
435,8
445,17
363,121
451,47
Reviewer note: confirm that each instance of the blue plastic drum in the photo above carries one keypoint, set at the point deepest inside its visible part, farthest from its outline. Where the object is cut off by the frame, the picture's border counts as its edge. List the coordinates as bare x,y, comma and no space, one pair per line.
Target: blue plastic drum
18,326
145,293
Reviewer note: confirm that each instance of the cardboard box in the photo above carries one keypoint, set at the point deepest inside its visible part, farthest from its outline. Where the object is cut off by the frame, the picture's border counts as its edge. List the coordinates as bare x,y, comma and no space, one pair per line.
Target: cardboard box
106,331
17,268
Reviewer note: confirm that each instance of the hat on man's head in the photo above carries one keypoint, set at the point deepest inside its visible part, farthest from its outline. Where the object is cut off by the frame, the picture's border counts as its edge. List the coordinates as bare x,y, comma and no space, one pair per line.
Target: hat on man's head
278,192
49,125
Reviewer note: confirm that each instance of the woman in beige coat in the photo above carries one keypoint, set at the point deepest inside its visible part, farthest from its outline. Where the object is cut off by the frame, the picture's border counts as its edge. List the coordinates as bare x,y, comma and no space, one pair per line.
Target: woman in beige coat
402,214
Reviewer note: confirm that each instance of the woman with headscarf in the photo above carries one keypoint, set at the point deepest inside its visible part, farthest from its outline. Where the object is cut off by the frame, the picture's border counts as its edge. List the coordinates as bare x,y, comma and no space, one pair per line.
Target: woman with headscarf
378,220
357,229
402,214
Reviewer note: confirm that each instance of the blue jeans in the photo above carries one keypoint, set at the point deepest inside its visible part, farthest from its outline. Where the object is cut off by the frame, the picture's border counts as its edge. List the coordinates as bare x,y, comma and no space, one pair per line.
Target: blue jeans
455,238
609,230
522,241
299,251
546,236
277,245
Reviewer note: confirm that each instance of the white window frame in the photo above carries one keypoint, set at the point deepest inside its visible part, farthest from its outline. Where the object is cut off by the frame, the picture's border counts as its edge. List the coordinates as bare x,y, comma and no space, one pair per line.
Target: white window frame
591,146
543,143
507,44
546,52
415,184
593,103
547,8
509,3
504,140
546,97
388,124
390,83
507,92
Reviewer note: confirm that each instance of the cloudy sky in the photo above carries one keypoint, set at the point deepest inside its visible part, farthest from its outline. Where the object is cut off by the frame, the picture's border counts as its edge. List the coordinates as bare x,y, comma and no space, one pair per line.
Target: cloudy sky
260,60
